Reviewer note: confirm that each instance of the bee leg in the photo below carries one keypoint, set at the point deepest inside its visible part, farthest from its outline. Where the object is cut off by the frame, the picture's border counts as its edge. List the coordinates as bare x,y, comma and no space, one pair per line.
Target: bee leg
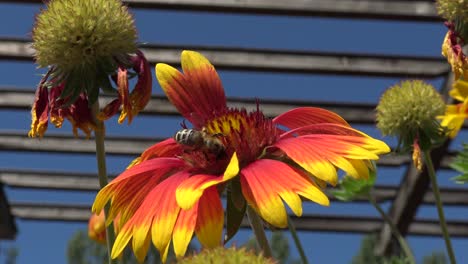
221,155
206,155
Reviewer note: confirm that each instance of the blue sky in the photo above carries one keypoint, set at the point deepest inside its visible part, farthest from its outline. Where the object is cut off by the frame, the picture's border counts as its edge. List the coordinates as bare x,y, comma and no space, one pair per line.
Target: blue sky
47,241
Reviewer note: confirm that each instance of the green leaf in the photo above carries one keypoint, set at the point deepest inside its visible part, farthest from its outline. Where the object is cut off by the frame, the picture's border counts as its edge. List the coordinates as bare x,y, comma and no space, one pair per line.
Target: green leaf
460,164
460,179
93,93
350,188
234,213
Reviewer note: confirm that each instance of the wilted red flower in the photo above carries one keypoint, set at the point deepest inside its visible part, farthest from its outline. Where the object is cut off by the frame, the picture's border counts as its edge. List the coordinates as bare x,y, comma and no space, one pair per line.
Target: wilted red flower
50,102
173,189
452,50
97,227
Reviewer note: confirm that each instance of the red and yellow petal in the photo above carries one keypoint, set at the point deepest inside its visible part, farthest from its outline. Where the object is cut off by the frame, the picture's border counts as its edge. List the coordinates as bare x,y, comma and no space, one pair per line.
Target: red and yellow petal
183,230
165,148
192,189
122,87
197,93
460,90
204,81
210,219
320,153
110,109
141,93
155,169
453,51
325,129
166,211
454,117
265,183
40,112
305,116
80,116
153,220
97,228
122,239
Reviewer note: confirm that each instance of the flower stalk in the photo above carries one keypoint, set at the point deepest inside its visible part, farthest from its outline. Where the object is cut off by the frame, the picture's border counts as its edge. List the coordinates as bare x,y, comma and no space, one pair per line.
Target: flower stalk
401,240
293,231
257,227
440,210
99,134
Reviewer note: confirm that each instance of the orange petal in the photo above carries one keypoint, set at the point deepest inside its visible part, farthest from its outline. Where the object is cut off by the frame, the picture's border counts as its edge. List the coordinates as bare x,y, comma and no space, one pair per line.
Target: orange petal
266,182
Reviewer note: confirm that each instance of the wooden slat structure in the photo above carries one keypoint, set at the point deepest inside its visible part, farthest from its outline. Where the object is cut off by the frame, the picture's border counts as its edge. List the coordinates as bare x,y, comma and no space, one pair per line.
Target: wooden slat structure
52,180
375,9
323,223
267,60
125,146
406,198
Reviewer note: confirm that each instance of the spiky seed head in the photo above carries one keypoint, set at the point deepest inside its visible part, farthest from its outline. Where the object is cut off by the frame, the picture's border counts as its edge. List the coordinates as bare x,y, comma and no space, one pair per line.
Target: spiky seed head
453,10
226,256
408,110
80,33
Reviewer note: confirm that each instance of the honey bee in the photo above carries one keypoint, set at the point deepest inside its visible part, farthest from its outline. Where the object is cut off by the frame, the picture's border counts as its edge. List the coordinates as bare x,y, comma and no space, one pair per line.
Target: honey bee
200,140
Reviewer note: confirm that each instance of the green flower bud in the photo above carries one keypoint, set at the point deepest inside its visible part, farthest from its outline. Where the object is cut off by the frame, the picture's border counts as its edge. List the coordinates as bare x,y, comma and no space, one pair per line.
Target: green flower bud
453,10
86,44
408,111
226,256
71,33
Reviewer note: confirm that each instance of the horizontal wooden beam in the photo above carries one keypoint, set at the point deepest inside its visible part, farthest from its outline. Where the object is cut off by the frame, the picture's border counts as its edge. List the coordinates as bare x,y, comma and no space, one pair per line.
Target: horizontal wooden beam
89,182
68,144
160,105
323,223
274,60
127,146
362,113
375,9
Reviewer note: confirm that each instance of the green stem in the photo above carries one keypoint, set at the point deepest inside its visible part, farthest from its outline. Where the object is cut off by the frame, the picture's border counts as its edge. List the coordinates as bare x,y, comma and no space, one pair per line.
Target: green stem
292,229
259,232
99,133
440,210
404,245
